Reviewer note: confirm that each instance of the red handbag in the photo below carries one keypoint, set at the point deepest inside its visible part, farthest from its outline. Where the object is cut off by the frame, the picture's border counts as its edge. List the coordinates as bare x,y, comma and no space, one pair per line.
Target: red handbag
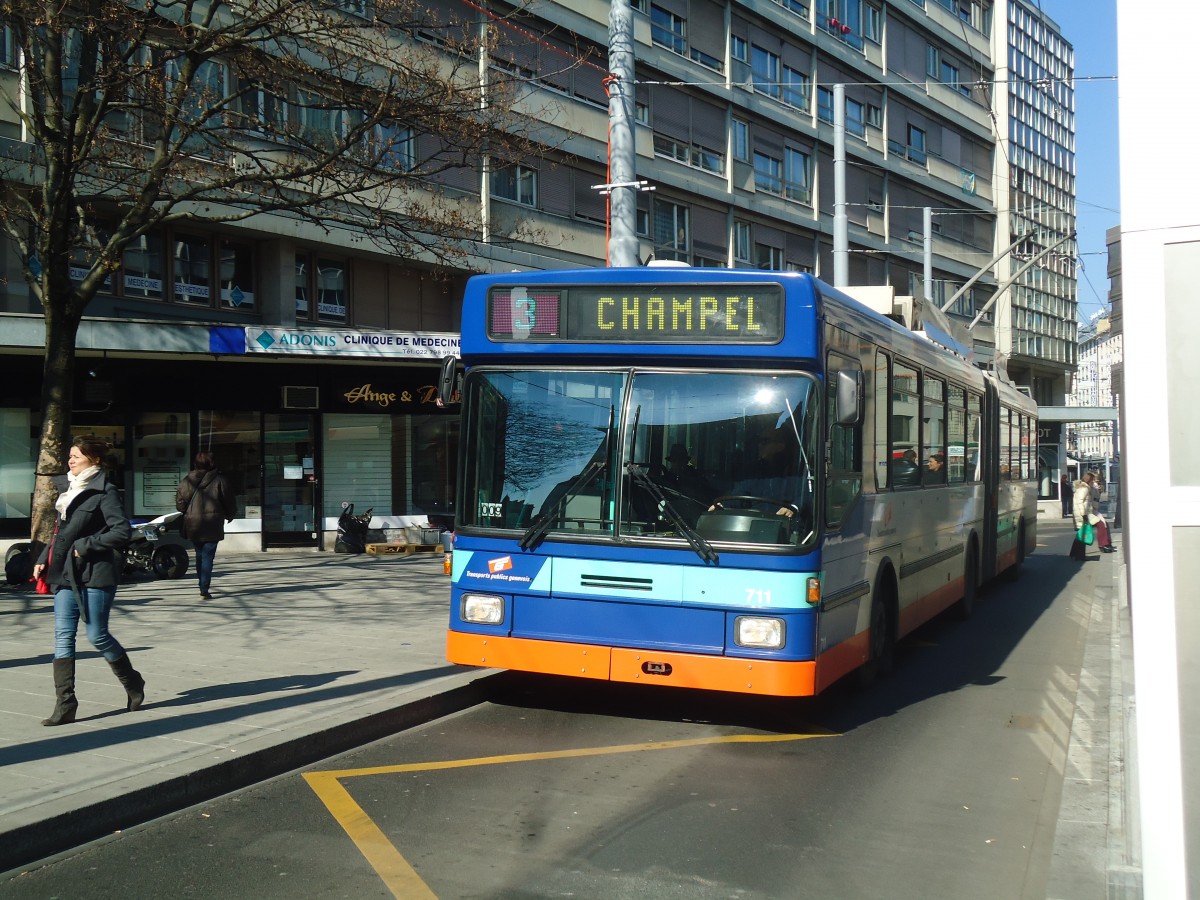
40,584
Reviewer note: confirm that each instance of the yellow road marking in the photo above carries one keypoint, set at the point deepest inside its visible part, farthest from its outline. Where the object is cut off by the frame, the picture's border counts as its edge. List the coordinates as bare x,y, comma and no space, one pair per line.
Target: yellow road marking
399,877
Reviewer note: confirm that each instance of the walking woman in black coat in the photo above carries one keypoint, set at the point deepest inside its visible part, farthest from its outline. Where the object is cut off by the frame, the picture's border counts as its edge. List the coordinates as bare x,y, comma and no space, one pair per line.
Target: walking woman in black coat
83,565
206,500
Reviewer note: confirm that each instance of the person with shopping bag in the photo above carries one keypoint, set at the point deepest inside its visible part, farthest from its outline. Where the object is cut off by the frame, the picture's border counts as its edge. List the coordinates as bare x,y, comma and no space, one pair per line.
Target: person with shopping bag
1089,524
1096,518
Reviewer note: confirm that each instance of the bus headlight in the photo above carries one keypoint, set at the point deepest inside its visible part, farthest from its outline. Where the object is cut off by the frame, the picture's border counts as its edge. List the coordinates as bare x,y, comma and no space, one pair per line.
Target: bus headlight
482,609
759,631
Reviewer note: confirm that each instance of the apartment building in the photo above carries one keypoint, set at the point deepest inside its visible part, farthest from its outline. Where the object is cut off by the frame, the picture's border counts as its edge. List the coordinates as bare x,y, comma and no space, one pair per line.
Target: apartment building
306,360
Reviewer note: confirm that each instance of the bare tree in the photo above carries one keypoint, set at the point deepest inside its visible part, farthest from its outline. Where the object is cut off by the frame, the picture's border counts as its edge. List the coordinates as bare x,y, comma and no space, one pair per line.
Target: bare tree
139,113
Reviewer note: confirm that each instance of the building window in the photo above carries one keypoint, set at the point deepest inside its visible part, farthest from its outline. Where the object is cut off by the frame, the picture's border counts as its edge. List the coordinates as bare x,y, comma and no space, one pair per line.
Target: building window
8,47
854,118
394,146
950,77
144,267
709,62
768,174
767,257
795,88
872,24
690,154
197,111
797,174
667,29
741,140
933,61
191,268
824,104
325,280
874,116
360,8
331,290
799,7
517,183
741,242
916,145
672,235
235,271
262,109
842,19
738,48
314,119
764,70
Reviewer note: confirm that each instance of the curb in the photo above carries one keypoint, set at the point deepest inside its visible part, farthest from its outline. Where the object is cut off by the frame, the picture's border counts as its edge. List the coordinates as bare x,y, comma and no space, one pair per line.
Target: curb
69,830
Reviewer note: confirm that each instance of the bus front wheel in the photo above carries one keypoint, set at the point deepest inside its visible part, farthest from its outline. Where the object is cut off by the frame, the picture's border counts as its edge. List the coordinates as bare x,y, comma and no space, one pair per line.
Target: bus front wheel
880,644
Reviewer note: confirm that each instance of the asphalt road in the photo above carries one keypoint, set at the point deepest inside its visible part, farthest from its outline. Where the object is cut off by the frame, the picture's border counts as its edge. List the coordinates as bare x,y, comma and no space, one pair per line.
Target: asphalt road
942,781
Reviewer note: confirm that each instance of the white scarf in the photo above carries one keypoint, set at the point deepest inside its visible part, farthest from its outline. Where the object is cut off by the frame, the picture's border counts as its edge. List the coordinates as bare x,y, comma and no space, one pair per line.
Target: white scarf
88,478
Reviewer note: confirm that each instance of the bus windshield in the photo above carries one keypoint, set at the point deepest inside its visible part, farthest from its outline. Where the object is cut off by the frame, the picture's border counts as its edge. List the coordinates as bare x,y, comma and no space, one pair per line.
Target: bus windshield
632,454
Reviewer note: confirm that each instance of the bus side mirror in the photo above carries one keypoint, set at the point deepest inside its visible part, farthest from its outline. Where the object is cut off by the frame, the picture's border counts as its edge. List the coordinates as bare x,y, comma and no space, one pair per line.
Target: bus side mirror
446,378
849,393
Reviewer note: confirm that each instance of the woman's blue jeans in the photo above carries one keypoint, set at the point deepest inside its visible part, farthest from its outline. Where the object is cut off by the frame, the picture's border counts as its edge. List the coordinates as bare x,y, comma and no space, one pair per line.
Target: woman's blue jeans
66,622
206,552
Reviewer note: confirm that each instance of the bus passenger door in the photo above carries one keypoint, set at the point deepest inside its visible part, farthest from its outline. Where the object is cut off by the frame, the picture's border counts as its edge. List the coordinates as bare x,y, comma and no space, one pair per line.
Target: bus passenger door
844,552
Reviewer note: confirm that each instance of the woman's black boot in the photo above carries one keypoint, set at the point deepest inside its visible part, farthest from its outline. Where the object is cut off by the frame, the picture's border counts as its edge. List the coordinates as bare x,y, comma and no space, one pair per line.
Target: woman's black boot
131,680
64,691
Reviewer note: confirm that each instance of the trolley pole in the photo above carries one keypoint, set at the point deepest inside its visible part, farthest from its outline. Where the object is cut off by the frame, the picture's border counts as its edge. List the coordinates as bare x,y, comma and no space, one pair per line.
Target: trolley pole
841,226
622,177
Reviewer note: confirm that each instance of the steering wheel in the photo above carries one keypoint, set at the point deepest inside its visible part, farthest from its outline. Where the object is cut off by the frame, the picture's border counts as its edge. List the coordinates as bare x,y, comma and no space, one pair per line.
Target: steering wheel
748,499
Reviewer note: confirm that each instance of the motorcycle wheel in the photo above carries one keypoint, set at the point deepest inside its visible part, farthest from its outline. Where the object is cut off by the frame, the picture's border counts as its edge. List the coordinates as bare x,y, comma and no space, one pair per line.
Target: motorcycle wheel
169,561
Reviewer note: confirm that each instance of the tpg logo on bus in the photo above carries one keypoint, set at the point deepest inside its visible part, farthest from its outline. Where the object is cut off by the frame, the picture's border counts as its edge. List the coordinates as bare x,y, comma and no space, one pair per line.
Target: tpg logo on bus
503,564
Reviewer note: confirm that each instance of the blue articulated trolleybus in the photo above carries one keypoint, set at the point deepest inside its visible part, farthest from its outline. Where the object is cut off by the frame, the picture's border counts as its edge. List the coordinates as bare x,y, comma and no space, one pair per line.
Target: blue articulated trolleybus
731,480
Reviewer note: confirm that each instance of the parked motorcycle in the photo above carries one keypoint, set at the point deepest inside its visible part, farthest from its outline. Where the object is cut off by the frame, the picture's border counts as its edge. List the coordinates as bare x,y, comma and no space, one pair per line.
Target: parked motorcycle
149,552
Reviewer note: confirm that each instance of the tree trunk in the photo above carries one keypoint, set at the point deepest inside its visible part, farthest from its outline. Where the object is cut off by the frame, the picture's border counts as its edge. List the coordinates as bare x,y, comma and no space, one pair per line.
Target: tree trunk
58,394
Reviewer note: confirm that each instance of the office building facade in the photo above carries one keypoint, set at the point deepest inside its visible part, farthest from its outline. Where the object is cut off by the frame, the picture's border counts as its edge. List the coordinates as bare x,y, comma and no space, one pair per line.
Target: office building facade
306,361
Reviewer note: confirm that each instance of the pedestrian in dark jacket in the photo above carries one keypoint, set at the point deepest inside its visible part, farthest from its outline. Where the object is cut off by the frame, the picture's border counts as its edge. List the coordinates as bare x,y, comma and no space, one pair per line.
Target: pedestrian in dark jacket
207,503
82,564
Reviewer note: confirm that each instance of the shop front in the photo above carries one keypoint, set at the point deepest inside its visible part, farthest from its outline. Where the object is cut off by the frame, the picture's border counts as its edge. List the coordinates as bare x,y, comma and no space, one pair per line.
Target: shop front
296,438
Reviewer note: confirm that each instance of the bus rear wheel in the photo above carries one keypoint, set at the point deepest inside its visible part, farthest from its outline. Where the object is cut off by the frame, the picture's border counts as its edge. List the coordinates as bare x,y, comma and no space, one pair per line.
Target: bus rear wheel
880,653
966,605
1013,572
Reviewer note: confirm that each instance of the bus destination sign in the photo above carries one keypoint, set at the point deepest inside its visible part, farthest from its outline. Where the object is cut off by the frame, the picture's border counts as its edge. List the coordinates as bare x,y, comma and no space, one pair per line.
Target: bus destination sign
674,313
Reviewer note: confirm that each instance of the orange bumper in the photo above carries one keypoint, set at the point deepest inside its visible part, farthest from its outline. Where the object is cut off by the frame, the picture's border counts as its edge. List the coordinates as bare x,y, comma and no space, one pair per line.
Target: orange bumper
770,678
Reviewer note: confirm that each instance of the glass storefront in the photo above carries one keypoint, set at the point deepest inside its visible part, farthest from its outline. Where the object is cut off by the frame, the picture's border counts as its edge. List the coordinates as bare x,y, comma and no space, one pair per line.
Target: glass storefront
374,438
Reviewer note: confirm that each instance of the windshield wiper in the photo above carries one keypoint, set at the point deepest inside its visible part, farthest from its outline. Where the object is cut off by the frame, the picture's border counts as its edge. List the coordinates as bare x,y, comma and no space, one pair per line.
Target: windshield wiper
702,547
538,528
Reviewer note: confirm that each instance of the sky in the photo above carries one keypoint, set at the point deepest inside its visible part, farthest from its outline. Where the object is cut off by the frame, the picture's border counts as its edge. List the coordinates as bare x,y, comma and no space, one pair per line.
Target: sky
1091,28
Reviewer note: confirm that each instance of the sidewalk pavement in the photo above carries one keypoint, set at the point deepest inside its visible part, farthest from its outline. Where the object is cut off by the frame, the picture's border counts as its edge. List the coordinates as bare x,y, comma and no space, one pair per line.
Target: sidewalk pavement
1097,849
297,656
300,655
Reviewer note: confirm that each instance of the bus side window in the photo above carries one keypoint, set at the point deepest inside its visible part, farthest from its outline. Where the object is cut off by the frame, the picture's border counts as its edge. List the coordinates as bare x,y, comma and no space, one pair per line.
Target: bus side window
906,435
843,479
956,433
974,435
882,402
